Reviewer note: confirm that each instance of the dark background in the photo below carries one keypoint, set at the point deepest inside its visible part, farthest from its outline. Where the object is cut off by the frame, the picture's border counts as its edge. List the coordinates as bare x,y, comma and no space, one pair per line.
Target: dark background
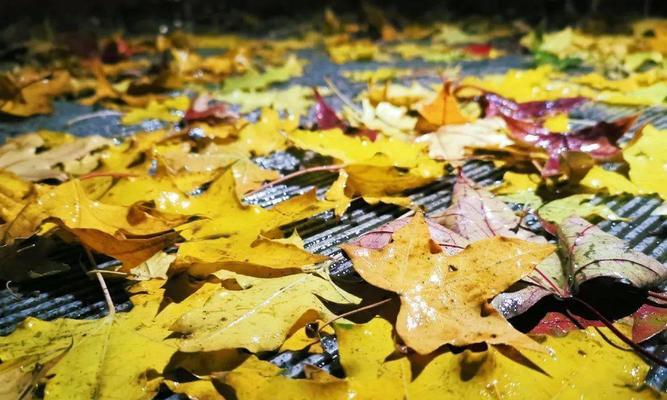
145,16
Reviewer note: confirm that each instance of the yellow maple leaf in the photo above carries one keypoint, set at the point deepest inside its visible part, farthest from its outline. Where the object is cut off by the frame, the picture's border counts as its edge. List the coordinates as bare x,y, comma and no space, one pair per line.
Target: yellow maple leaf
443,298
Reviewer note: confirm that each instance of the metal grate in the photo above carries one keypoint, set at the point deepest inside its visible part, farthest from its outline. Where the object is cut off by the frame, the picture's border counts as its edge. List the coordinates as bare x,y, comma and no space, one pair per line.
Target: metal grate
74,295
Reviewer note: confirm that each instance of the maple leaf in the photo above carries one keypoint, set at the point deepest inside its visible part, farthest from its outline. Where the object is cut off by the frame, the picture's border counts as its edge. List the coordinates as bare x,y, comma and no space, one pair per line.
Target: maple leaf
266,312
598,178
495,104
475,214
112,357
20,155
443,110
598,141
296,100
578,204
584,364
253,79
383,152
428,319
202,108
647,161
169,110
256,379
588,253
450,241
131,234
365,351
455,142
32,92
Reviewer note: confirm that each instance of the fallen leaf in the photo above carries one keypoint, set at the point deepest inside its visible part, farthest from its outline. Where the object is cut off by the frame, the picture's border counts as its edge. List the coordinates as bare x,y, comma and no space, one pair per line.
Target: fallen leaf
582,363
599,179
475,214
296,100
647,161
428,320
598,141
353,150
32,92
649,320
443,110
450,242
256,379
96,361
169,110
21,157
363,353
155,267
258,318
249,176
588,253
253,79
455,142
577,204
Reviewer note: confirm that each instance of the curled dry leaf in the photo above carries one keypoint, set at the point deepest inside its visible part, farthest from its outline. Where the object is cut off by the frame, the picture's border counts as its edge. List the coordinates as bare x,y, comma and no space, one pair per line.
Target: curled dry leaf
444,298
587,253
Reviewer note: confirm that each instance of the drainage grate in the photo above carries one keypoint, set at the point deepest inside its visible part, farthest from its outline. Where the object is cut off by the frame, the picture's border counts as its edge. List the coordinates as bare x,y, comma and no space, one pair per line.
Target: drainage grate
74,295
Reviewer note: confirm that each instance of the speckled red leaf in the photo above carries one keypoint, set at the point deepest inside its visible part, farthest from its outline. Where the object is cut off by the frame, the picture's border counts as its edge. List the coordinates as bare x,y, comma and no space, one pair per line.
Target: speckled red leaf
649,320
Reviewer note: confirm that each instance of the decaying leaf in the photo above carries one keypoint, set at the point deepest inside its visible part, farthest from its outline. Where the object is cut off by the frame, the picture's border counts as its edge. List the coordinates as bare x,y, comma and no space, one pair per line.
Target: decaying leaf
587,253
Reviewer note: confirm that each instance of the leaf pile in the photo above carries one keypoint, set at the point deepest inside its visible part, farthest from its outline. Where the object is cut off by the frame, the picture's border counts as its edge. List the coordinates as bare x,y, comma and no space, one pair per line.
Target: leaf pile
512,291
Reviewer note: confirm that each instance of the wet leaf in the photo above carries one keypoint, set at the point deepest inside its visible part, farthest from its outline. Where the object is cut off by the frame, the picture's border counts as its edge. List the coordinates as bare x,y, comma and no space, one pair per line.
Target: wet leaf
20,156
455,142
96,360
578,204
256,379
267,313
427,319
475,214
587,253
253,79
647,161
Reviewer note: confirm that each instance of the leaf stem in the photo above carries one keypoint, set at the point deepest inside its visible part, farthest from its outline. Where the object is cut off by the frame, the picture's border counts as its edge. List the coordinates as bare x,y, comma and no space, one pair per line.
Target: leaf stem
100,279
634,346
660,296
104,174
351,312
